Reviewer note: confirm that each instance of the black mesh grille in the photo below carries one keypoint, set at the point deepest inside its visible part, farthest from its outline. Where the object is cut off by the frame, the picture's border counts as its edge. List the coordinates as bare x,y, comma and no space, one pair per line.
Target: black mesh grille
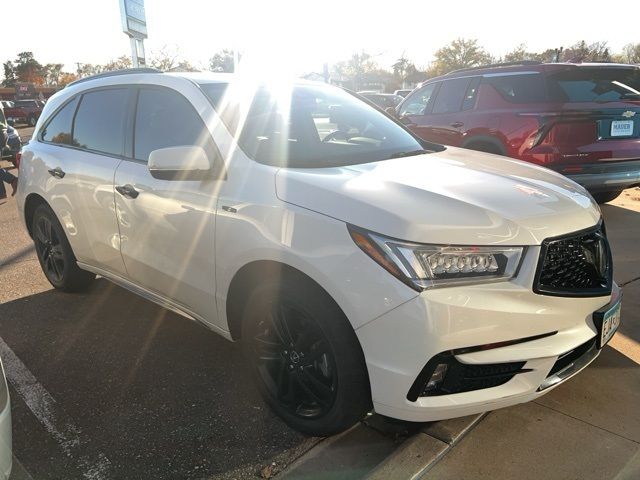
575,265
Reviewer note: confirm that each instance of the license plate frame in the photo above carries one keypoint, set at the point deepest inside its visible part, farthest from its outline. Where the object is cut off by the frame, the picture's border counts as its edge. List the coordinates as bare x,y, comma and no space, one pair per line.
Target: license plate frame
607,321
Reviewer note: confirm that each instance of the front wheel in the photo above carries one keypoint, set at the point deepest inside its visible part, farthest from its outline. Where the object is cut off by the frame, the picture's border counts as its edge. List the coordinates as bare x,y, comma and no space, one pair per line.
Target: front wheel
54,253
604,197
305,357
32,121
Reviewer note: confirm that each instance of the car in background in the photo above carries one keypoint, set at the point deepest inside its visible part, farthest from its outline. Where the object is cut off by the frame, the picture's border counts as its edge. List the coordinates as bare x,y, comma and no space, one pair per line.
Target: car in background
383,100
25,111
6,104
5,429
358,266
581,120
403,92
13,144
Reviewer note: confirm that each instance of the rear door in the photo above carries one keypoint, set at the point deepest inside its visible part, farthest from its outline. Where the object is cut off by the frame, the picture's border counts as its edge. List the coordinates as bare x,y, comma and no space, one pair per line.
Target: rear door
167,226
81,147
447,120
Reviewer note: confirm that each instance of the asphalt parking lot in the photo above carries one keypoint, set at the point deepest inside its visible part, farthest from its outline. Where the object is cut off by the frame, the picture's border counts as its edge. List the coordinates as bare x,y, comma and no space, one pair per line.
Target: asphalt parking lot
106,385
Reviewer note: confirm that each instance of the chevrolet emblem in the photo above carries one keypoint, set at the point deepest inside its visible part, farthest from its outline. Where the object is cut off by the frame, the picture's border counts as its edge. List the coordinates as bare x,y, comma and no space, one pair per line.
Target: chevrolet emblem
628,114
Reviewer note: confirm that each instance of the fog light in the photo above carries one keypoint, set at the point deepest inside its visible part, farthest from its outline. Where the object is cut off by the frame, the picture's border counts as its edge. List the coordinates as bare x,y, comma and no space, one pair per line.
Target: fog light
436,378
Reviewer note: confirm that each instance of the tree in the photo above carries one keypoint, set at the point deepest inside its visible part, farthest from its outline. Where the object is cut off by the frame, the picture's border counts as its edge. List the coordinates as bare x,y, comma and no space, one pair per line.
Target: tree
165,59
119,63
52,73
583,52
403,68
356,68
25,68
222,61
631,53
10,78
461,53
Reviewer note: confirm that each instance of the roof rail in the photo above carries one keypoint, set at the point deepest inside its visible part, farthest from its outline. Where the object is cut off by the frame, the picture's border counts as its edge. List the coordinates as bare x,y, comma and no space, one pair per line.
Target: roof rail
116,73
496,65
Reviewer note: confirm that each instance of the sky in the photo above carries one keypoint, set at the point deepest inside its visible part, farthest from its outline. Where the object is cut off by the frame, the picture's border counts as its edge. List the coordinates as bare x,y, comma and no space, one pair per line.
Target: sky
301,34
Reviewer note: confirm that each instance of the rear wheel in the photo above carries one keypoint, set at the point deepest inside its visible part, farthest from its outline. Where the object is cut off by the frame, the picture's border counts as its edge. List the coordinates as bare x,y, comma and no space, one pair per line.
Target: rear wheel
32,121
604,197
305,357
54,253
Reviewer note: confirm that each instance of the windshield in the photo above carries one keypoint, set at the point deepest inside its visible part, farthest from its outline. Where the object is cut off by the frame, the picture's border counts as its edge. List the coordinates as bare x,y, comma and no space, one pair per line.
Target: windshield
595,85
309,126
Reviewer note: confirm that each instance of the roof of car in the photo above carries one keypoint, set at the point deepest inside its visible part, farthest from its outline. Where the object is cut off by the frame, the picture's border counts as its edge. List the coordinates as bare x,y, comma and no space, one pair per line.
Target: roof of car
524,66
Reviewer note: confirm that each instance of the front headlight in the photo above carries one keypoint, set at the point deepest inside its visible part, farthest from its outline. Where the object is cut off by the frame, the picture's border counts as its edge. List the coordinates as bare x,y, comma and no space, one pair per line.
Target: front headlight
424,266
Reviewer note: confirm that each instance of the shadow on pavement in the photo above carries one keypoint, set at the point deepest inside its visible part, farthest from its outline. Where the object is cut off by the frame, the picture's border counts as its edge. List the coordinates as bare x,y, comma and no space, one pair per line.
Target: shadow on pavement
159,395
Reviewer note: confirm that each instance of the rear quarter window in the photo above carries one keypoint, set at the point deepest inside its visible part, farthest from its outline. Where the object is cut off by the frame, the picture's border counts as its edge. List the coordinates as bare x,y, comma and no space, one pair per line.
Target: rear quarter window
594,85
58,128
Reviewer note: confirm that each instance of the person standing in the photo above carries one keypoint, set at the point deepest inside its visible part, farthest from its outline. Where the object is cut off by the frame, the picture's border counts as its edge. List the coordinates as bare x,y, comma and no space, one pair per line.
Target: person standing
6,177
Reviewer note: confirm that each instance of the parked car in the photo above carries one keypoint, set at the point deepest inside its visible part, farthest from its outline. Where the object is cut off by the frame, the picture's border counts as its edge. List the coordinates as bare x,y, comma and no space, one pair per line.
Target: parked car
6,458
357,265
13,143
403,92
578,119
25,111
383,100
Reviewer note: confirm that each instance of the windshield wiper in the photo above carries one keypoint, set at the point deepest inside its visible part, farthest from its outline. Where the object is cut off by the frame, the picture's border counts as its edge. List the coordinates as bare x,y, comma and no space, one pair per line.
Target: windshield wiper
408,154
626,96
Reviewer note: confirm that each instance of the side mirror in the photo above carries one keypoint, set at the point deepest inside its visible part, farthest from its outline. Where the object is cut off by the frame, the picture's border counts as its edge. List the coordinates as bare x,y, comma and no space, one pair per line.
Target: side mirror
391,111
179,163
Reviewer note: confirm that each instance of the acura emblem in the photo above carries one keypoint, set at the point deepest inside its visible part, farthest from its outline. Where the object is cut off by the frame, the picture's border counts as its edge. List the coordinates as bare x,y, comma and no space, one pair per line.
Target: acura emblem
629,114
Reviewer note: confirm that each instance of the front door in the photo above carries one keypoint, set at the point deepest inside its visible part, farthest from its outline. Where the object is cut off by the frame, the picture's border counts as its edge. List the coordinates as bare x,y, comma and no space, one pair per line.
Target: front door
167,226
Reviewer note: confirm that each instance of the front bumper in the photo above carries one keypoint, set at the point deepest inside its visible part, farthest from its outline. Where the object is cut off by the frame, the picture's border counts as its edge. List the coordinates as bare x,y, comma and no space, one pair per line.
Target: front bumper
604,176
398,344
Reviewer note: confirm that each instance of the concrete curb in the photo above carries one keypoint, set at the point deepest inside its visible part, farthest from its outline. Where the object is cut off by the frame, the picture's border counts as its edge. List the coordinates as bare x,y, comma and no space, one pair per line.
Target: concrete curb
420,453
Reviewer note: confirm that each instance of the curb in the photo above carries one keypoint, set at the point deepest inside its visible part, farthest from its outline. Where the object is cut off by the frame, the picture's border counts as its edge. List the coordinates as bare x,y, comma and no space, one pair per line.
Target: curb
417,455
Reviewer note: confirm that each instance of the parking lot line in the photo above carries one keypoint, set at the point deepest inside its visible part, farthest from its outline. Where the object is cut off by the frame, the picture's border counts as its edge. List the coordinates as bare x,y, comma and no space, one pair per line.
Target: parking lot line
43,406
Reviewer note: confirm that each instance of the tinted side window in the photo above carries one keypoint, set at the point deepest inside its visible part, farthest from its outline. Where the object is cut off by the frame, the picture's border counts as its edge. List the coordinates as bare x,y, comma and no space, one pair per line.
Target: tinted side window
595,85
58,129
99,123
527,88
418,101
166,119
450,96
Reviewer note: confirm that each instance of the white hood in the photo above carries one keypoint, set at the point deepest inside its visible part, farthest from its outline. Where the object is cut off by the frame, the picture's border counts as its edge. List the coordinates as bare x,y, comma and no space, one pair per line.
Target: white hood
455,196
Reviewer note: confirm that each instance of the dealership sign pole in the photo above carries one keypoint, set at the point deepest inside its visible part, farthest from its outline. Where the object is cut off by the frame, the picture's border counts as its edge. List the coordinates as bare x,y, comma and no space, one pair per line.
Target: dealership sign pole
134,24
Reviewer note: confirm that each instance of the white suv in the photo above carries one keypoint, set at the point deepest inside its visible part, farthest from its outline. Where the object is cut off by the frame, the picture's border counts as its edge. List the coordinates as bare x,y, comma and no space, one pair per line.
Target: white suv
358,266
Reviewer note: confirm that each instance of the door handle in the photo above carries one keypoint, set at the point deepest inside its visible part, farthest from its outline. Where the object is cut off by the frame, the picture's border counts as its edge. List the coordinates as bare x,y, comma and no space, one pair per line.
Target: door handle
457,124
57,172
127,191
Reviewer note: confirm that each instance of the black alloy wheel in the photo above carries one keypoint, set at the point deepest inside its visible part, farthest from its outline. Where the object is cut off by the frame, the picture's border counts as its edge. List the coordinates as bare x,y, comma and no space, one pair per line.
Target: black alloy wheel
49,249
295,361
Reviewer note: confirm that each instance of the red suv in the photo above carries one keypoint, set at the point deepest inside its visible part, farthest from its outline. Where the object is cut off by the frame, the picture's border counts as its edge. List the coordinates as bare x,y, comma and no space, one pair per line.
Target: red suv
582,120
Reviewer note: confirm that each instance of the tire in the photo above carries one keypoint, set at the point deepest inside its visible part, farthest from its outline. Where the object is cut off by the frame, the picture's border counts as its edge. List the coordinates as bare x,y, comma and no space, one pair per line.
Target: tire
604,197
485,147
304,356
31,121
56,258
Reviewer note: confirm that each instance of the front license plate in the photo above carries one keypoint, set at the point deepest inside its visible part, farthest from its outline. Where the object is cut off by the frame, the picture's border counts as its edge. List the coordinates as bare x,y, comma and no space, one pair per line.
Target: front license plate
622,128
607,322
